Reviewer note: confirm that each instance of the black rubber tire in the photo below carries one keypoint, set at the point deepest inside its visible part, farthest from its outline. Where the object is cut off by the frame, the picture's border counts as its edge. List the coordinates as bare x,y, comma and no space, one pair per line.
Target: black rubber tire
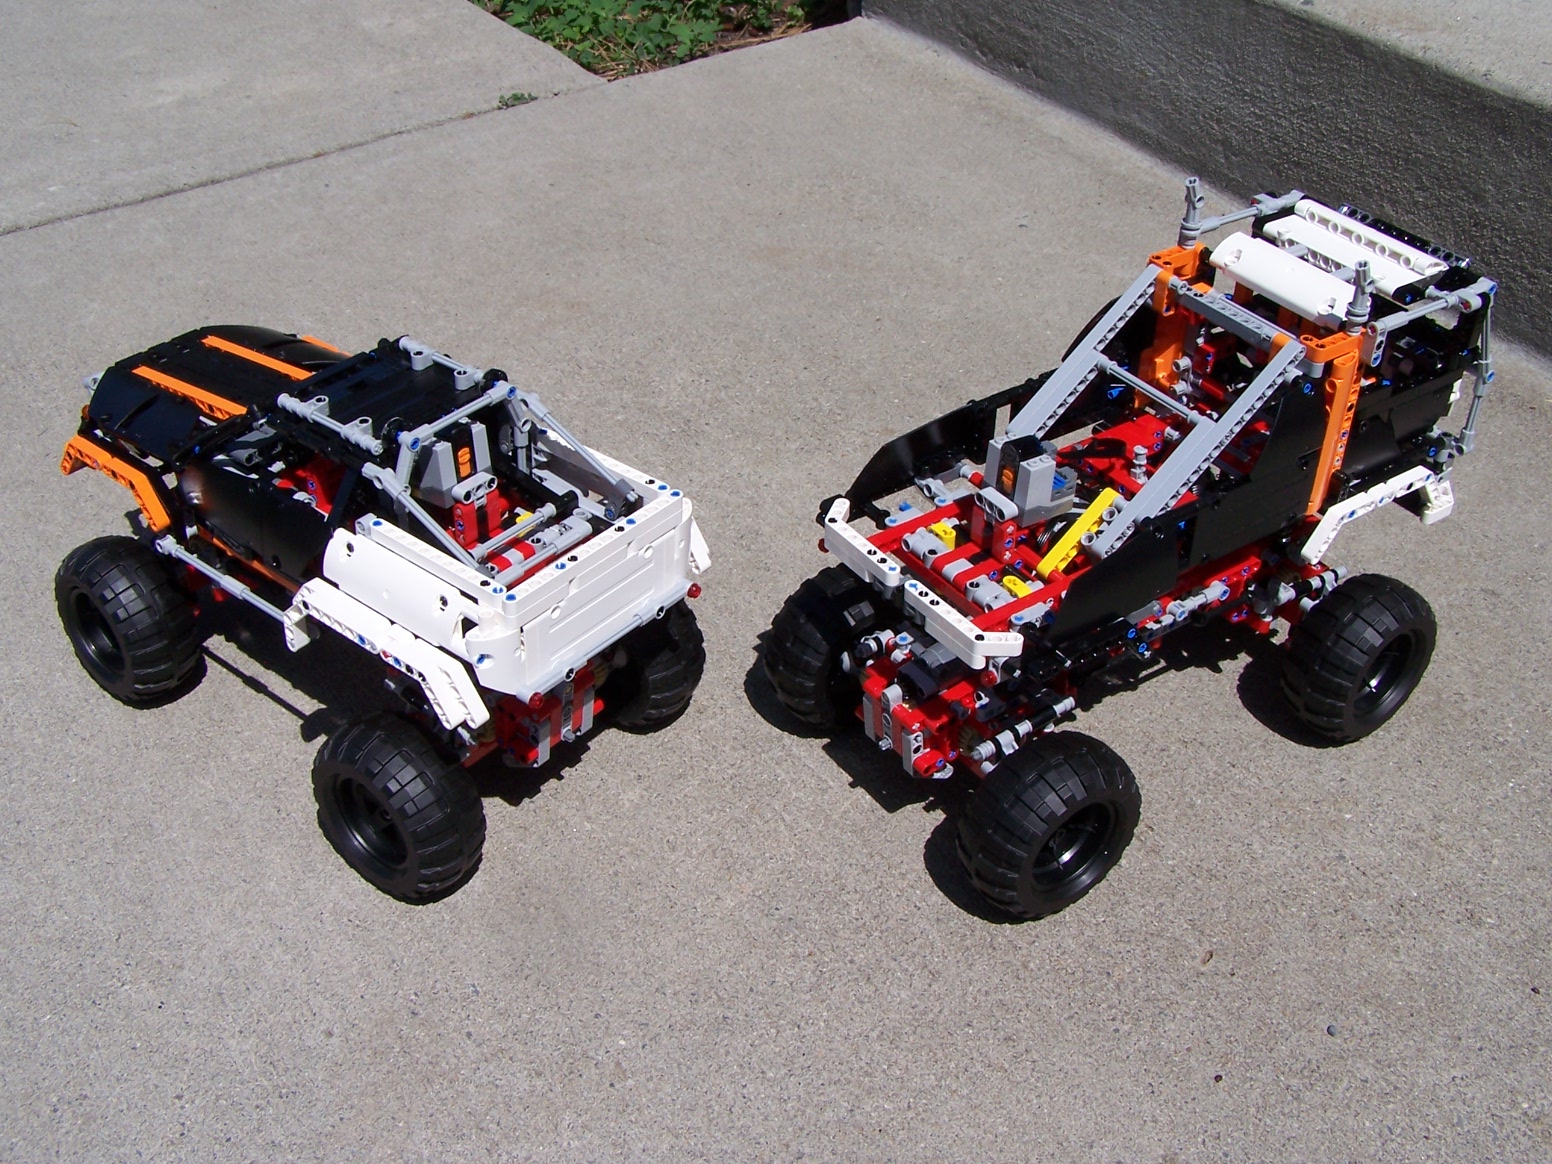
404,818
1357,656
1048,823
664,661
822,620
131,625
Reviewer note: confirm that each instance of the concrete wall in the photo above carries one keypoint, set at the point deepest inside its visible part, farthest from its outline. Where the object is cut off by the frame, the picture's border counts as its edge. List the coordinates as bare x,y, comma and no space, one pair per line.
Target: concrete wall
1254,96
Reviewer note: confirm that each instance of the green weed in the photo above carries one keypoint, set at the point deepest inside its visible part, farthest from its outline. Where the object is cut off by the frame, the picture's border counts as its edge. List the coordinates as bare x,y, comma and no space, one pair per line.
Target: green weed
617,37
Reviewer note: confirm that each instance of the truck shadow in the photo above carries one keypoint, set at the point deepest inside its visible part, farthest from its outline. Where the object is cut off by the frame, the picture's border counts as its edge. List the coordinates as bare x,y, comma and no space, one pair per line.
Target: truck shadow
333,673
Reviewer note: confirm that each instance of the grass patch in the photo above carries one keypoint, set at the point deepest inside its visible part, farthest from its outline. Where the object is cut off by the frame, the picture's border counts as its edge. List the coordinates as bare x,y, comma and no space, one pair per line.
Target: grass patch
615,38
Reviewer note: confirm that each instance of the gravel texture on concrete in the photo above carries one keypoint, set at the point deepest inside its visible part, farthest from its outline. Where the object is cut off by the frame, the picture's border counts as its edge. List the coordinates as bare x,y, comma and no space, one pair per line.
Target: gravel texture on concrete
110,103
727,941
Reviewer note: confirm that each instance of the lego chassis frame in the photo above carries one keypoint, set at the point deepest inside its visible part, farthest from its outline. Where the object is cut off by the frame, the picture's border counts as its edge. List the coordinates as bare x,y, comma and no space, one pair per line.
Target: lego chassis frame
1194,455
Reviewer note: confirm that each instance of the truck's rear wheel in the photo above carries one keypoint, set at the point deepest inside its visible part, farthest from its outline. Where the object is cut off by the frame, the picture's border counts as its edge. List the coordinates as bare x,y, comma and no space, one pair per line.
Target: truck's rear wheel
822,620
401,816
1358,655
131,626
1048,823
664,661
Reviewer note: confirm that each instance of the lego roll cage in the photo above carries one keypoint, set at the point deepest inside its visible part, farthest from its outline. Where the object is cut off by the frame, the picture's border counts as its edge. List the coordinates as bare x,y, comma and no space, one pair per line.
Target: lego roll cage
513,568
1195,453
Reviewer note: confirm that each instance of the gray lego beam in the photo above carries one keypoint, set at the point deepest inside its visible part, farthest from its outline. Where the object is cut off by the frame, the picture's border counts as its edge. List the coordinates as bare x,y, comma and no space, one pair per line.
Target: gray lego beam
1064,385
1193,454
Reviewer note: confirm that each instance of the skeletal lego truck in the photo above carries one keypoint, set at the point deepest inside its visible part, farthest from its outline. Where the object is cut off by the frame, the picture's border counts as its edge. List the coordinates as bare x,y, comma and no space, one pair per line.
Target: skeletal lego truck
517,583
1194,455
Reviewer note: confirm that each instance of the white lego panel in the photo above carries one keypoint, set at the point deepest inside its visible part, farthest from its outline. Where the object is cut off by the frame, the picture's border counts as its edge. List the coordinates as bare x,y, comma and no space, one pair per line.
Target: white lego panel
424,555
445,680
575,607
968,641
390,578
1342,241
860,555
1356,506
1304,289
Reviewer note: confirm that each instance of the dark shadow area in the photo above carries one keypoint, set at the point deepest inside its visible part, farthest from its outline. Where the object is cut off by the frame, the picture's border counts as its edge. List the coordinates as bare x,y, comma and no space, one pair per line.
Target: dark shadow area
1260,691
330,671
494,779
349,686
1207,646
762,697
1456,160
878,773
940,856
824,13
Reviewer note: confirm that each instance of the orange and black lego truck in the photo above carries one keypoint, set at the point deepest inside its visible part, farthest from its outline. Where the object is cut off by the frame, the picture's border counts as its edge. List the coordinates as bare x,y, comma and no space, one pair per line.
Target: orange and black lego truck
515,586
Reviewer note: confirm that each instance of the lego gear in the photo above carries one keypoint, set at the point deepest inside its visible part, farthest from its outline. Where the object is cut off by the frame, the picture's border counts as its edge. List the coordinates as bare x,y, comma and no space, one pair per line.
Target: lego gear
1047,825
820,621
1358,655
131,626
664,661
400,815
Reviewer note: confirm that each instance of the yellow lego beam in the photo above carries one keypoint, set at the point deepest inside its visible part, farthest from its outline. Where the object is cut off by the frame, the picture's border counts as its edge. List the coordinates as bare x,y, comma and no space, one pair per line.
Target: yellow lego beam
1066,547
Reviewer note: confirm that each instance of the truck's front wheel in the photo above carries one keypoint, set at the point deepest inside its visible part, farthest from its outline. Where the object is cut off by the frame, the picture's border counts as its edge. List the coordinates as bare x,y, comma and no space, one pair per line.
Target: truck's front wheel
822,620
131,626
1358,655
1048,823
401,816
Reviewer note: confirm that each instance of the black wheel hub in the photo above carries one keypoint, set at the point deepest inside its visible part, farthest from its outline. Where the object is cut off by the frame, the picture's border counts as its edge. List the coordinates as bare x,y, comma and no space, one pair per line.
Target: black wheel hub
1385,680
369,823
1075,850
95,637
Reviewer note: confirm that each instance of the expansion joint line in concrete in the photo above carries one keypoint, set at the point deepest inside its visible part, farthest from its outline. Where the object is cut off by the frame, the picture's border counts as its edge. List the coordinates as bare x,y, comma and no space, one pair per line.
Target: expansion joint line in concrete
278,164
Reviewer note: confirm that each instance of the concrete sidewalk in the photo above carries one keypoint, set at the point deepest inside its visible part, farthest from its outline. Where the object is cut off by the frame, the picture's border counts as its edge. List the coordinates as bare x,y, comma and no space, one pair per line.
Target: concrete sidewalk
110,103
725,941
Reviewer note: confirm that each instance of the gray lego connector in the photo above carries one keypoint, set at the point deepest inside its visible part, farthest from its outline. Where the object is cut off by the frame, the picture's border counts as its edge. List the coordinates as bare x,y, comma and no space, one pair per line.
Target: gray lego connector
926,545
422,356
997,507
358,432
1140,463
1483,377
1358,308
986,594
1191,221
1193,226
